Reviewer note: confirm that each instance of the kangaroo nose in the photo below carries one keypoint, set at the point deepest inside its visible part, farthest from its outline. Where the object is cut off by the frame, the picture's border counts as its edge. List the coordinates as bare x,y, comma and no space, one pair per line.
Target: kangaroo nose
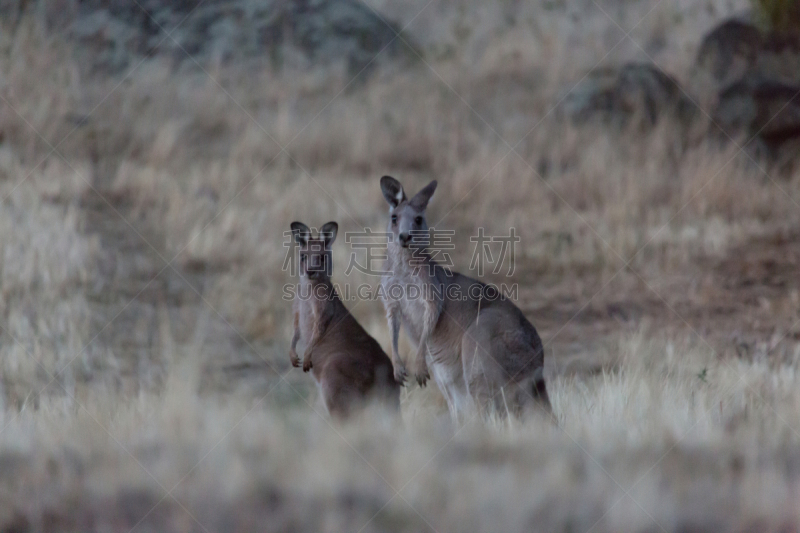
404,238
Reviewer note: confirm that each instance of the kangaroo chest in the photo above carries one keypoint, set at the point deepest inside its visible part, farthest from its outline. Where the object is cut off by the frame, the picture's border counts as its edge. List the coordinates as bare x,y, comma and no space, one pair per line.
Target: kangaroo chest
413,293
310,311
412,313
306,321
308,317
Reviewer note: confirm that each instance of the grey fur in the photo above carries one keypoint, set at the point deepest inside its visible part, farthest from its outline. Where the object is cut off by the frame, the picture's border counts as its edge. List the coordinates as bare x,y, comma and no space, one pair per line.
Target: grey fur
481,350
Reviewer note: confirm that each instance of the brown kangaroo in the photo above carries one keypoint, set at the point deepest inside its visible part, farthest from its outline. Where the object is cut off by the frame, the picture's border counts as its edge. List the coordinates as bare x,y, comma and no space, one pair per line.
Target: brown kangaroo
348,365
478,345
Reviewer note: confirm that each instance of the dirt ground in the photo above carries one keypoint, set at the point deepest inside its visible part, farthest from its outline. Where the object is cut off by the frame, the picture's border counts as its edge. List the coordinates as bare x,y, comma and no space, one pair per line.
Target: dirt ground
743,303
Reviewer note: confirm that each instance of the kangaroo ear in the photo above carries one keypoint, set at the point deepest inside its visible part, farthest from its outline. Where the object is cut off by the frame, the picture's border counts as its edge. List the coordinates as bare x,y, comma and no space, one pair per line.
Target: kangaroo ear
300,232
328,233
421,199
392,191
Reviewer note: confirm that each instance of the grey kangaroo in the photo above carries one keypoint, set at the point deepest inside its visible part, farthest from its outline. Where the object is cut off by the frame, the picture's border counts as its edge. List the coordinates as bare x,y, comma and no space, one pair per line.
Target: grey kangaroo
348,365
479,347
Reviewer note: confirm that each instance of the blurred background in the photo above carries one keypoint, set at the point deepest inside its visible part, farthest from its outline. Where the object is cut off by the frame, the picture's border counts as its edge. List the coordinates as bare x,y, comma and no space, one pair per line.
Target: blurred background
154,153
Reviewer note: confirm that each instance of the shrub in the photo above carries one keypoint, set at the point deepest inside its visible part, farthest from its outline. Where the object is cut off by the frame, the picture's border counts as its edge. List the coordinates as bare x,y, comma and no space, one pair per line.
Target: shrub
778,16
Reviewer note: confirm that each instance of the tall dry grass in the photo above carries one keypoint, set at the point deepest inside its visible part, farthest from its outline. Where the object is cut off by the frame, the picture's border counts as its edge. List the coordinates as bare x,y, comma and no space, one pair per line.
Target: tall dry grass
209,165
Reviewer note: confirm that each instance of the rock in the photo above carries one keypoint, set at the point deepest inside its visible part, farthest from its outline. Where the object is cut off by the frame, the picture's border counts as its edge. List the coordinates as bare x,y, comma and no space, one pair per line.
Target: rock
737,48
336,28
756,80
729,51
619,95
113,34
760,107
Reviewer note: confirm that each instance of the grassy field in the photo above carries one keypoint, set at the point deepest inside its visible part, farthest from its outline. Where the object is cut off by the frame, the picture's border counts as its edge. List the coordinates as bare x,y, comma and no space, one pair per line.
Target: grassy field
146,383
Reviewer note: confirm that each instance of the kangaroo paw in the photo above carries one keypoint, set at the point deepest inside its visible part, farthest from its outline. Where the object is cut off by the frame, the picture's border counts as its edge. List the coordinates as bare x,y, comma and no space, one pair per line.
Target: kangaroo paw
307,365
400,373
422,375
421,370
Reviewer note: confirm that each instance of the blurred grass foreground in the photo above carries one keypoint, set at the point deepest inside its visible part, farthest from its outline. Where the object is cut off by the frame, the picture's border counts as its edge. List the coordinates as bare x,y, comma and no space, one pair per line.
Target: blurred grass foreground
153,155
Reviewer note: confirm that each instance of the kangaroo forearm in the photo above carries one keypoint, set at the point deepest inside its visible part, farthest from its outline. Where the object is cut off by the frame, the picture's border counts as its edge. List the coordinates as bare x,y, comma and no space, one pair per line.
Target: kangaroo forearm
295,340
320,324
394,326
315,337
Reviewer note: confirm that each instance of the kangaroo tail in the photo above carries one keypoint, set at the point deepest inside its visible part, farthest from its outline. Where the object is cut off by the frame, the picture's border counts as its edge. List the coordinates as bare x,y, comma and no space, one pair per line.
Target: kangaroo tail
539,391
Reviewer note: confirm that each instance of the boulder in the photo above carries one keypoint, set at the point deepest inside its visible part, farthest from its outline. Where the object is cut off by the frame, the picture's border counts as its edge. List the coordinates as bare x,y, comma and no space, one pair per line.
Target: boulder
760,107
636,90
756,84
737,48
113,34
729,51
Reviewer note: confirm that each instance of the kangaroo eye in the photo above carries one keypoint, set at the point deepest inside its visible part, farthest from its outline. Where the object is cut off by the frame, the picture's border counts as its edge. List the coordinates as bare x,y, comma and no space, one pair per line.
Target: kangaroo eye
418,221
394,219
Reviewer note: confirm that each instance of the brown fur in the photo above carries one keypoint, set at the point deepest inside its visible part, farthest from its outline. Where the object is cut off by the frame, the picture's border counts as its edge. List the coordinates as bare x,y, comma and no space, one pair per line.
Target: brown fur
481,349
348,365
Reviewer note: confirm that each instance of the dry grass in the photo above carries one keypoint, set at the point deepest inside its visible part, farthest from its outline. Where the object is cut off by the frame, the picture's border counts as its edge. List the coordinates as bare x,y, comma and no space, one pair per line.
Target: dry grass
135,394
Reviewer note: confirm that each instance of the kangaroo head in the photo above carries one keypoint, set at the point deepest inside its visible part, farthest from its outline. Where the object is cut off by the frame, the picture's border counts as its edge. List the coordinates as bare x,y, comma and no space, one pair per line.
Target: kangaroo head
407,221
316,262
